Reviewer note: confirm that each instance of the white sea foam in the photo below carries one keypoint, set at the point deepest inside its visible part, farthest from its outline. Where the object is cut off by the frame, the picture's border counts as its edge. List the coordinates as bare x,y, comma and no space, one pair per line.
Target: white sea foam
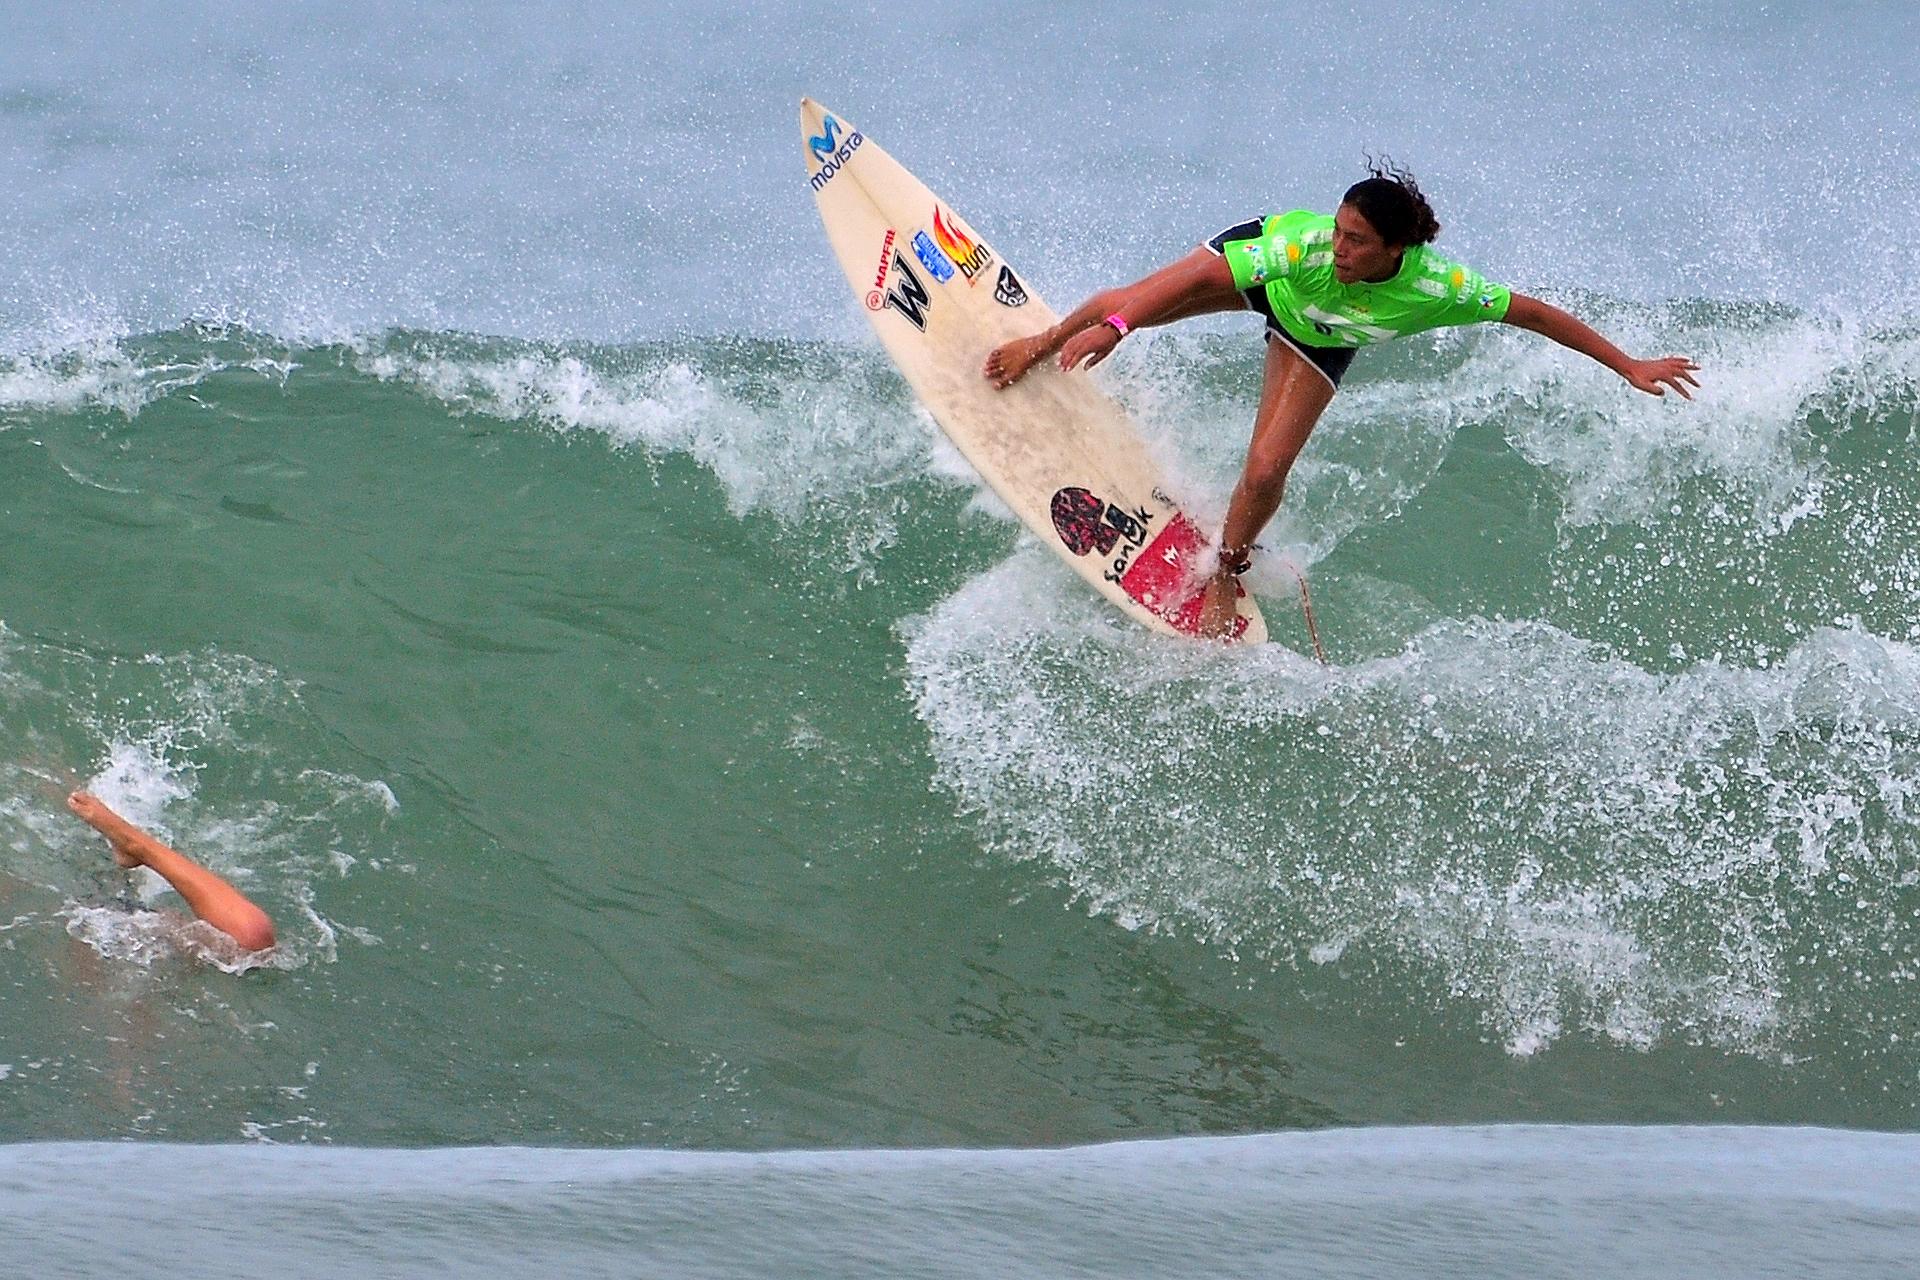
69,367
348,789
1554,837
1623,455
793,431
94,372
1616,455
803,434
146,937
783,440
163,725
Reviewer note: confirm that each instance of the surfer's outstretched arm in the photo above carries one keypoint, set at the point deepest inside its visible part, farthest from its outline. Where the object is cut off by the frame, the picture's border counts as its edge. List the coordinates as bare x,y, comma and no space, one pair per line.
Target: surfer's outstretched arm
1576,335
212,898
1198,283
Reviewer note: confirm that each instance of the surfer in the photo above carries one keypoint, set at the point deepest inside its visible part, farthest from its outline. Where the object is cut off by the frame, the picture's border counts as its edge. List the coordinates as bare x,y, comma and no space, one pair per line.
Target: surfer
1327,285
212,898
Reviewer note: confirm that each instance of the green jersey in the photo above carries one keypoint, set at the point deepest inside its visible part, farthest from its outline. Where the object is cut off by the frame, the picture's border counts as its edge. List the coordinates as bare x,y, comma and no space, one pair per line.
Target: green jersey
1292,258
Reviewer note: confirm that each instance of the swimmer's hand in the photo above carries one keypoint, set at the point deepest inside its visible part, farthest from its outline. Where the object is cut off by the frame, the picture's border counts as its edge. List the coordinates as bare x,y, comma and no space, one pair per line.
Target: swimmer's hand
1673,371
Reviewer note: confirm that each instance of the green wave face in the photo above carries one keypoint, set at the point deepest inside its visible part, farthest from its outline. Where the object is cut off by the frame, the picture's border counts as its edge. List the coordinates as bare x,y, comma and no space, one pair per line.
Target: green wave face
669,744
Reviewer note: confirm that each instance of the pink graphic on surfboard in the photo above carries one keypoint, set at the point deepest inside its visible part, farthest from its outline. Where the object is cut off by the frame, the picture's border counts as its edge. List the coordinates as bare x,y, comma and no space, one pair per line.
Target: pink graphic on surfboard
1159,574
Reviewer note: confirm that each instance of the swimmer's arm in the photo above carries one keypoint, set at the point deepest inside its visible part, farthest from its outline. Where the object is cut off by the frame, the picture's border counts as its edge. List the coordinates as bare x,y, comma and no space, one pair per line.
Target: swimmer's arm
1575,334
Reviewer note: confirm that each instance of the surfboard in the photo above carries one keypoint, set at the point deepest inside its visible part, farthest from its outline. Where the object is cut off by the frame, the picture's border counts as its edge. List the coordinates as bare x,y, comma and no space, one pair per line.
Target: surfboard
1056,449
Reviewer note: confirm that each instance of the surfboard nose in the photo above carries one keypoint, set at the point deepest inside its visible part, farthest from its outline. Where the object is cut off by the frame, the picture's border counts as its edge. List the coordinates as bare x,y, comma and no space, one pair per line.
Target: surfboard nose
812,111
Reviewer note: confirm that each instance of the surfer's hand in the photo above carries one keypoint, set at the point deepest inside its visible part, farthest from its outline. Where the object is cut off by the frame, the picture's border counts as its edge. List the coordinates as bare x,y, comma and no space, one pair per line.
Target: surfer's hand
1091,345
1674,371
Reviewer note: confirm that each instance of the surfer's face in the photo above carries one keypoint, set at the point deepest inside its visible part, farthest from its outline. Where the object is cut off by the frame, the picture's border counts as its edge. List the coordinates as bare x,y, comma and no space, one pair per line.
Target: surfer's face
1358,251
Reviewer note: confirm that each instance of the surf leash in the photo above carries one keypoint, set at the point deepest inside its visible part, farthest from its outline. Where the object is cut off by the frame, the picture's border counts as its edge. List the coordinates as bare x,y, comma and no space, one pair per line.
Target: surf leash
1306,611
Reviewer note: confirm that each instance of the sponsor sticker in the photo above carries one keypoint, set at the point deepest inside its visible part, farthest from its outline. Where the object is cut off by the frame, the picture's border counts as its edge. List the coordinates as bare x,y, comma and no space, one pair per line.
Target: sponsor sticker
1078,517
827,141
908,295
1158,574
1162,577
1007,291
968,254
876,296
938,265
1088,523
830,152
1256,263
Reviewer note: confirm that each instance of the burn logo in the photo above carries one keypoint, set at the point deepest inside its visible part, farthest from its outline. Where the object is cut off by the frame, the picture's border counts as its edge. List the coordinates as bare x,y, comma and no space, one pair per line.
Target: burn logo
968,254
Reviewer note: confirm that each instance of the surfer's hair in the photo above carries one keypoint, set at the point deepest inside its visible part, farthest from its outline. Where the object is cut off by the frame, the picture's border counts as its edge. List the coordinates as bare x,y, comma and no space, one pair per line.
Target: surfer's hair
1392,202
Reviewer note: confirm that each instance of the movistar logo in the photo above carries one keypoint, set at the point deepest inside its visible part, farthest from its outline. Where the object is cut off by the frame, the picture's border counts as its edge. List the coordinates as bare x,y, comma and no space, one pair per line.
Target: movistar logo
826,141
829,152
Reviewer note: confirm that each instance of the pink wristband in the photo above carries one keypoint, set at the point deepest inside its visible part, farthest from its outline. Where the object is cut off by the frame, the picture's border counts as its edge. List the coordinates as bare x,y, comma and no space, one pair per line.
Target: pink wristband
1119,325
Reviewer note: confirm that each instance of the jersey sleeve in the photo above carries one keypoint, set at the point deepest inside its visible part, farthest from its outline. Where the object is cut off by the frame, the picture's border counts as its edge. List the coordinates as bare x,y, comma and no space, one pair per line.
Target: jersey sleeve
1288,242
1465,296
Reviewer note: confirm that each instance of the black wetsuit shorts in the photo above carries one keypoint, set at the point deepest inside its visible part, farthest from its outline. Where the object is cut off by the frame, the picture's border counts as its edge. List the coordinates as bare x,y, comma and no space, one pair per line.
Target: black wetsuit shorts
1332,362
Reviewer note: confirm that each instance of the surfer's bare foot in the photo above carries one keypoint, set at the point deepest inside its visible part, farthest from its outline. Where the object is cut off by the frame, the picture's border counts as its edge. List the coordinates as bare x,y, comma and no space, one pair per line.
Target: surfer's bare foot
1217,609
121,834
1009,362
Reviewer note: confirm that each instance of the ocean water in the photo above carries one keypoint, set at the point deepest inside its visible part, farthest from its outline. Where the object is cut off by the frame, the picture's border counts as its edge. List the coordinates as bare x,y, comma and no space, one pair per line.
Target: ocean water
1514,1200
447,486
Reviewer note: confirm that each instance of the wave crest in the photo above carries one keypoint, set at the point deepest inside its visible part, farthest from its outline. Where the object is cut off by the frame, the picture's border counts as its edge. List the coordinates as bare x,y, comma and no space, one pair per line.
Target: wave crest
1500,816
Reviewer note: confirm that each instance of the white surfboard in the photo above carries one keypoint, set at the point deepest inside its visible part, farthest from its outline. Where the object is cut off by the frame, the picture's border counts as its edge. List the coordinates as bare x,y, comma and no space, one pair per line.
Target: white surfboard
1057,450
